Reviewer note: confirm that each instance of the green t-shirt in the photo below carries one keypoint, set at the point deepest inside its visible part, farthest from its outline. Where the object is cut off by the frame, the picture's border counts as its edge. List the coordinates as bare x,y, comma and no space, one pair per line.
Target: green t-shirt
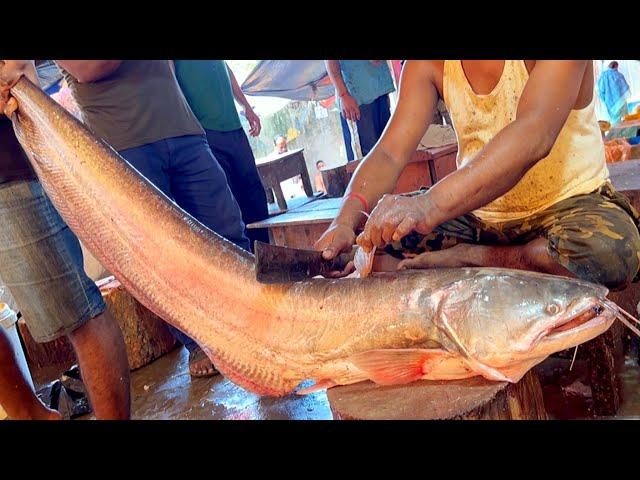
207,88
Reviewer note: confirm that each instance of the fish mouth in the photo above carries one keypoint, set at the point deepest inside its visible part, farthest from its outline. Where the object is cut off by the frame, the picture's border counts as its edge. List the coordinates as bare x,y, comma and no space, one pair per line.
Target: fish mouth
591,315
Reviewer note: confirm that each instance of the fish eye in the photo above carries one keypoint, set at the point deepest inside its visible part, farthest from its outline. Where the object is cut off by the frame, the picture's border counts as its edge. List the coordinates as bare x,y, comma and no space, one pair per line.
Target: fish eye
553,309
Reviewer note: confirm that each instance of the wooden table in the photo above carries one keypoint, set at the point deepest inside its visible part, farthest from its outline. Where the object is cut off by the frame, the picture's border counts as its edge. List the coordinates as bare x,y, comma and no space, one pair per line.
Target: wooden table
276,168
301,227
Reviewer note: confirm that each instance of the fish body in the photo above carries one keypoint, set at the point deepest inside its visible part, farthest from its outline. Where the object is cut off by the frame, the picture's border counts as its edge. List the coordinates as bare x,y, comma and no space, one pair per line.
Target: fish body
390,328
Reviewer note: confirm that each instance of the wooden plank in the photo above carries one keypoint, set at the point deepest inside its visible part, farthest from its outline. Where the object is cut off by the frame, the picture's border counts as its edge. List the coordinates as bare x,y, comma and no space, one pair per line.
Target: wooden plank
294,203
320,204
320,211
297,218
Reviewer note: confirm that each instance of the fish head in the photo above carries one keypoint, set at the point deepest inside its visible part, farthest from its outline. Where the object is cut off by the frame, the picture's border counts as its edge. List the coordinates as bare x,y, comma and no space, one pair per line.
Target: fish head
502,316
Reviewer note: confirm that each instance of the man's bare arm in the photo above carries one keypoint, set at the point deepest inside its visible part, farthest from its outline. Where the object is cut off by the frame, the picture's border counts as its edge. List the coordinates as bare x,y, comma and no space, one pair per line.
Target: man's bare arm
335,75
86,71
348,104
237,92
545,104
379,171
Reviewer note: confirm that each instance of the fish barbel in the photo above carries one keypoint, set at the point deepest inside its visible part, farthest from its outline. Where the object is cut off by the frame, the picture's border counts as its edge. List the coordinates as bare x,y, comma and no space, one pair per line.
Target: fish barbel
389,328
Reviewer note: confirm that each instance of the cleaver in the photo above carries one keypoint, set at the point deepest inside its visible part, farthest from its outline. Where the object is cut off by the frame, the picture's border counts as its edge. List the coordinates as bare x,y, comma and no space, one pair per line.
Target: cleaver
276,264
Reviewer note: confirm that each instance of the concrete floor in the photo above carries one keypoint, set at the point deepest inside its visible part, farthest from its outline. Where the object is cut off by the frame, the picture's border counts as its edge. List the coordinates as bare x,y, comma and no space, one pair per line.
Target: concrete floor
164,390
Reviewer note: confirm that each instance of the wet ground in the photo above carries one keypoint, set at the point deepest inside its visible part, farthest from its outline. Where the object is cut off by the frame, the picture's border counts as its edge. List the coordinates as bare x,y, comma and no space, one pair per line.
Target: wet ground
164,390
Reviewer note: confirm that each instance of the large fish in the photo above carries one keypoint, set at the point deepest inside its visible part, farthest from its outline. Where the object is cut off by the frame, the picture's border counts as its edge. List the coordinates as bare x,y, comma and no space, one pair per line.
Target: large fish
389,328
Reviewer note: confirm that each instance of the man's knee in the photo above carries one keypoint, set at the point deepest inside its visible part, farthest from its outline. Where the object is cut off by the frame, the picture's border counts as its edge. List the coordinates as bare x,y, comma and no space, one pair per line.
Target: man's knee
612,264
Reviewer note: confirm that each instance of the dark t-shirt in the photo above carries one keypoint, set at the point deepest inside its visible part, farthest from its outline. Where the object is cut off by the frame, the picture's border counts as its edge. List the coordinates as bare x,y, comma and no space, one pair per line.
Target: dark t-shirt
141,102
14,164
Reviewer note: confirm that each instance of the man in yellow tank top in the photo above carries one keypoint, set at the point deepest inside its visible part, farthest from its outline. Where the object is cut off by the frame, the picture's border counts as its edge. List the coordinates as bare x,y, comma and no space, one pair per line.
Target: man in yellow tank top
531,190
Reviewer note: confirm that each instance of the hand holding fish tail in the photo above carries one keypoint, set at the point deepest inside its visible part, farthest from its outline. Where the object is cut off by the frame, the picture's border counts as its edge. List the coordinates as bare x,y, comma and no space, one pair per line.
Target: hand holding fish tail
10,72
393,218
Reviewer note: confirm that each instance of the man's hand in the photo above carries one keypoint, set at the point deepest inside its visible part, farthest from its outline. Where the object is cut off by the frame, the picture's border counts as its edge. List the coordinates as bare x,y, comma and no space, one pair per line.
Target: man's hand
350,108
337,239
10,72
254,121
394,217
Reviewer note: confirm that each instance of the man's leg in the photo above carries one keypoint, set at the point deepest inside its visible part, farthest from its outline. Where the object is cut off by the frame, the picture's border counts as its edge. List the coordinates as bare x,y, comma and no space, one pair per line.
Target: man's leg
382,107
152,161
592,237
99,343
199,185
42,266
233,152
346,136
16,396
367,126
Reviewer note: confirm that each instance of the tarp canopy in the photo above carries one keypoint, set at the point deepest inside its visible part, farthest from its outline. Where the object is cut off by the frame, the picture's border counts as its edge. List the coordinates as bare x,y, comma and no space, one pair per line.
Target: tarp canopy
291,79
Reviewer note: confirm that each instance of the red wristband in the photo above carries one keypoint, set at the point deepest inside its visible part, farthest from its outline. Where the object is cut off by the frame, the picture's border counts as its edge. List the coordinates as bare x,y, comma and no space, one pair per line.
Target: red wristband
362,200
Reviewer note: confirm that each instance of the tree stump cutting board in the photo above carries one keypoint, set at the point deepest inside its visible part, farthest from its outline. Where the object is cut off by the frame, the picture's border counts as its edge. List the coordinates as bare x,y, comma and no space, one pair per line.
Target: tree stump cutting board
474,398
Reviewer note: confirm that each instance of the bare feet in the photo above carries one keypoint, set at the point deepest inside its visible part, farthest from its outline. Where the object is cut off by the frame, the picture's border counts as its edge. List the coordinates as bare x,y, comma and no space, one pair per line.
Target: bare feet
461,255
200,365
50,415
37,411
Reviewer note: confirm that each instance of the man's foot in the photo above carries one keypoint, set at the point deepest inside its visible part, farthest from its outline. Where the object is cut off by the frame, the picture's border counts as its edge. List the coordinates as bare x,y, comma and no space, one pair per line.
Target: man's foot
200,365
461,255
50,415
37,412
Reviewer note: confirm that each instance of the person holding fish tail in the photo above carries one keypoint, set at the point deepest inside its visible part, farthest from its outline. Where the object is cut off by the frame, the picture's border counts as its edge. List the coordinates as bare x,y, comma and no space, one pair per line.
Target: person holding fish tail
531,190
41,264
137,107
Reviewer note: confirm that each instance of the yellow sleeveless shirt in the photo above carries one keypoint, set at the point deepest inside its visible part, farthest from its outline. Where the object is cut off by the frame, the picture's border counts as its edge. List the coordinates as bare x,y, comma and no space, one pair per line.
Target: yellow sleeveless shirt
576,164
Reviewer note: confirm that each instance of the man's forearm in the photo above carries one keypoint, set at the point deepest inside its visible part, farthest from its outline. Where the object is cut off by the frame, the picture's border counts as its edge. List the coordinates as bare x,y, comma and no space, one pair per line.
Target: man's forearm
335,75
237,91
495,170
375,176
86,71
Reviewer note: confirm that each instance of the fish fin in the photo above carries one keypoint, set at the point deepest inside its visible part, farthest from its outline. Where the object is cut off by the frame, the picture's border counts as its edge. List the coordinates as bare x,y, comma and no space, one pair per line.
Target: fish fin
319,385
394,367
487,372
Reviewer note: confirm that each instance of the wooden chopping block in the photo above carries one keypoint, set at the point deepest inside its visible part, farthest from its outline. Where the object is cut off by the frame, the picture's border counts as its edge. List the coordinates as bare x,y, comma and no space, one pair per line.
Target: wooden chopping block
146,336
470,399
